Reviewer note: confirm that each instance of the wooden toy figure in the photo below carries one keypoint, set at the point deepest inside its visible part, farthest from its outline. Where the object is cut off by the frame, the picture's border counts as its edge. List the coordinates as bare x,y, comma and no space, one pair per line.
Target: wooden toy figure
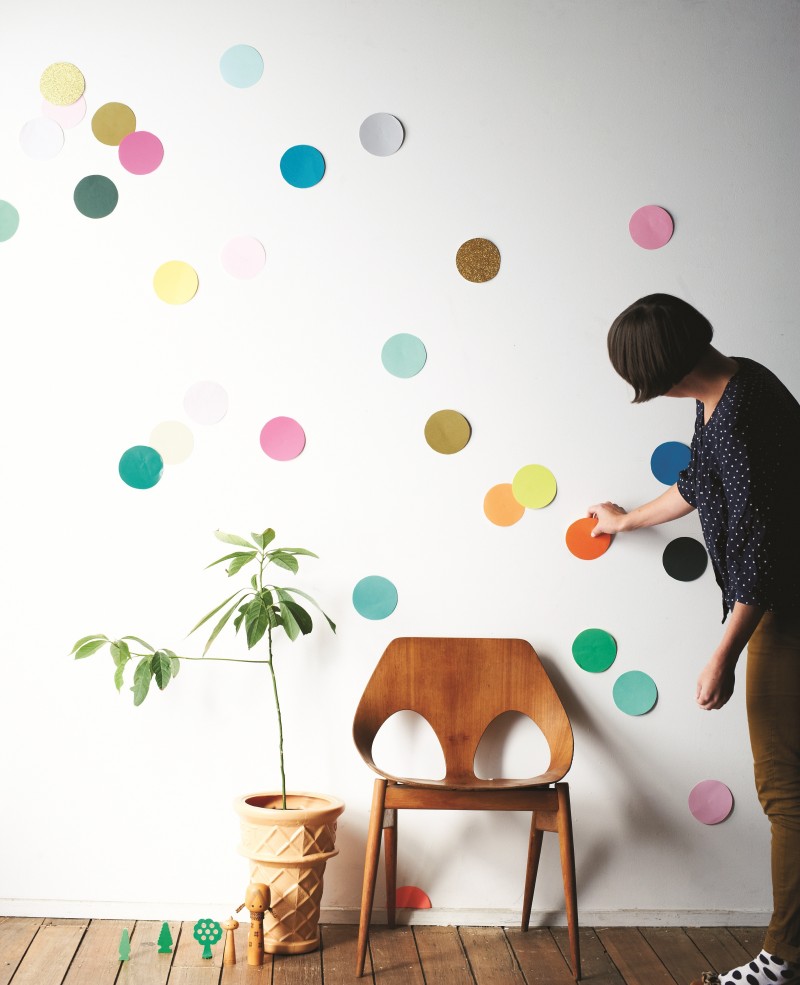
229,954
257,902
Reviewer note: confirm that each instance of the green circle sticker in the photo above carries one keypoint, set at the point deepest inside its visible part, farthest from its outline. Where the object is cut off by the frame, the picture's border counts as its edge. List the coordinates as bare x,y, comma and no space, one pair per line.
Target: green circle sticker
9,221
141,467
403,355
375,597
635,693
96,196
594,650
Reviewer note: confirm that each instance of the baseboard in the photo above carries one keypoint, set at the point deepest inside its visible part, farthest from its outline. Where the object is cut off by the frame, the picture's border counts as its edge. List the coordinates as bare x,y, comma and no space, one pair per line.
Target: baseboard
144,910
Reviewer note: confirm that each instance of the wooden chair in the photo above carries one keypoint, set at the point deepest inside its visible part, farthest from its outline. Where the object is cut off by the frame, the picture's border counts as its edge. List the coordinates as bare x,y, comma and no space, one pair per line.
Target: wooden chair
460,686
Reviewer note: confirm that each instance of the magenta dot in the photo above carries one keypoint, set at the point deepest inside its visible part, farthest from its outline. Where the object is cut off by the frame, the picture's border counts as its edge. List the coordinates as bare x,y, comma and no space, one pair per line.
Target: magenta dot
651,227
282,438
141,152
710,801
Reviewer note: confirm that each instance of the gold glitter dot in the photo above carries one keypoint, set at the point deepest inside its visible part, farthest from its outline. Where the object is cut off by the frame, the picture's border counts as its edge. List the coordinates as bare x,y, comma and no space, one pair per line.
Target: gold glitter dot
478,260
62,84
447,431
112,123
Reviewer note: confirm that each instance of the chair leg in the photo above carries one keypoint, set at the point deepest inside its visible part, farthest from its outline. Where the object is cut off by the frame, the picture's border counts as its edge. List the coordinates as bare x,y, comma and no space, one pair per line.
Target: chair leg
534,853
564,822
370,871
390,855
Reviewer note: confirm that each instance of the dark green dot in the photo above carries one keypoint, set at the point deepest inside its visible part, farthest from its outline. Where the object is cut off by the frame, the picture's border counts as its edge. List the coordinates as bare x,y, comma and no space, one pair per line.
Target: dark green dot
96,196
594,650
141,467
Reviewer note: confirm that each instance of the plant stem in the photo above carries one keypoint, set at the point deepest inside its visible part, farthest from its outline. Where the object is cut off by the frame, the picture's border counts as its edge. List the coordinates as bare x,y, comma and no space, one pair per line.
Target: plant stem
280,721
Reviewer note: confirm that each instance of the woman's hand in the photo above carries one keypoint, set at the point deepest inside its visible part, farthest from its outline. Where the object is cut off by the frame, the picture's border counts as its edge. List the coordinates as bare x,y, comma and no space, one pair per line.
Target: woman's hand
715,685
610,518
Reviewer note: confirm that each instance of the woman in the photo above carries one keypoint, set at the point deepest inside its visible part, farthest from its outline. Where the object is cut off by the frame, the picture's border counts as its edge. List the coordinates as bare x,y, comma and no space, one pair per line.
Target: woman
744,481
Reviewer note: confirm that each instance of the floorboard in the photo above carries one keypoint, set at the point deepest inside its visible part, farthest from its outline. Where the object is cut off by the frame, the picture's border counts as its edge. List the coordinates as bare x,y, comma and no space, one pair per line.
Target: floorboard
15,938
539,957
442,956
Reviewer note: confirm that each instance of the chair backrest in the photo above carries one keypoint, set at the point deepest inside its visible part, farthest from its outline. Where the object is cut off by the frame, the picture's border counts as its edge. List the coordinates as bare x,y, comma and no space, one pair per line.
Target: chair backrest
460,686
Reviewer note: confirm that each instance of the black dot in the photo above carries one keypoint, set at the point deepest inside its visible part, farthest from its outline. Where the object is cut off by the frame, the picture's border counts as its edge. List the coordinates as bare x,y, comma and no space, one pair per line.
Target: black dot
770,974
736,974
752,980
685,559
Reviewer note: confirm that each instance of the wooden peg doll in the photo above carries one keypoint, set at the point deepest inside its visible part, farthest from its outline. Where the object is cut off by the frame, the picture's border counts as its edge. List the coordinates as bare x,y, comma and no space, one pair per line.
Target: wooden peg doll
257,902
229,954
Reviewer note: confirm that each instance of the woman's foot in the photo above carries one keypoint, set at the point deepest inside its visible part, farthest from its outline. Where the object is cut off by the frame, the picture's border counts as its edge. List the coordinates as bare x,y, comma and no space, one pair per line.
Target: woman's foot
766,969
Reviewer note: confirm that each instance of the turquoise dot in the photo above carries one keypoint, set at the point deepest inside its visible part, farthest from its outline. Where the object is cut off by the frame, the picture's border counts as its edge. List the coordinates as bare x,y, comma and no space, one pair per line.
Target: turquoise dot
594,650
635,693
375,597
668,460
141,467
9,221
303,166
403,355
241,66
96,196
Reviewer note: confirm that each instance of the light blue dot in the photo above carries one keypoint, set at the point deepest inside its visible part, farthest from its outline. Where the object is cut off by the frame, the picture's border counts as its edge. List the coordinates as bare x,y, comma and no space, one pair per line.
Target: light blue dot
9,221
635,693
375,597
403,355
141,467
668,460
241,66
303,166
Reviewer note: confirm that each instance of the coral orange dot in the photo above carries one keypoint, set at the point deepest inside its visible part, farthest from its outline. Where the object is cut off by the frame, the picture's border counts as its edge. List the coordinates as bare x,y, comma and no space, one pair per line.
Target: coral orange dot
581,543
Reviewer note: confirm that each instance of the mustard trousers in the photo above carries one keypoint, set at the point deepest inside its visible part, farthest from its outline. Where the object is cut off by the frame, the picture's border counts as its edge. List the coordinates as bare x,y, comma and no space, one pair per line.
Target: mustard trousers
773,713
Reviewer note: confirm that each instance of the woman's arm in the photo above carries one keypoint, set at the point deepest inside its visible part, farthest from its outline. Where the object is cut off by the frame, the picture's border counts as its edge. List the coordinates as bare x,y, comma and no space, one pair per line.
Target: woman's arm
717,679
612,519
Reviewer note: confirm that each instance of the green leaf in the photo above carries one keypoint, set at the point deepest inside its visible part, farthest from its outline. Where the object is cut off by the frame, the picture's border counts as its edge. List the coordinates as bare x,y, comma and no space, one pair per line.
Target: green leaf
299,550
86,639
174,662
296,591
302,618
256,619
284,561
220,625
118,675
161,667
136,639
240,562
290,624
141,680
227,558
120,652
231,539
215,611
89,648
254,582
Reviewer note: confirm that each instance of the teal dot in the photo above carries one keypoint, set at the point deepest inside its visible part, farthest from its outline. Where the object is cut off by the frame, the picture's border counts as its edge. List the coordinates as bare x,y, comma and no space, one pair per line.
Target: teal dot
403,355
594,650
303,166
96,196
241,66
635,693
141,467
9,221
375,597
668,460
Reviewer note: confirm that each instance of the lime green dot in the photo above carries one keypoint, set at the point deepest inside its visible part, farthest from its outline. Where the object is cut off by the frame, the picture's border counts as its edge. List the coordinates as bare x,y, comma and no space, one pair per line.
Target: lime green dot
594,650
534,486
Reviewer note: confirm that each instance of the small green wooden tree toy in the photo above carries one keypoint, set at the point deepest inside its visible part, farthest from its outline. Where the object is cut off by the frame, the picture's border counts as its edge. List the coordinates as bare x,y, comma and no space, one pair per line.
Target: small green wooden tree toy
125,946
165,939
207,932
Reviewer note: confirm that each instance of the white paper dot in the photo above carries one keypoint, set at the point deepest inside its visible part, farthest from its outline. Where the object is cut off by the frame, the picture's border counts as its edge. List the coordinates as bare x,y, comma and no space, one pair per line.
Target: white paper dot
41,138
381,134
243,257
206,402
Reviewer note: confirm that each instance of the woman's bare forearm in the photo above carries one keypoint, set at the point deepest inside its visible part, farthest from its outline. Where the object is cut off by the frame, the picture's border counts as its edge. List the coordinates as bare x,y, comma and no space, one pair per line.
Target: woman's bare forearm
613,519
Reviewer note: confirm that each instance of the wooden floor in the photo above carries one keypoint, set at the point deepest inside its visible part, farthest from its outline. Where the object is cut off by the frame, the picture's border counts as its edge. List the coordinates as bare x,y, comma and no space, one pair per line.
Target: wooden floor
81,952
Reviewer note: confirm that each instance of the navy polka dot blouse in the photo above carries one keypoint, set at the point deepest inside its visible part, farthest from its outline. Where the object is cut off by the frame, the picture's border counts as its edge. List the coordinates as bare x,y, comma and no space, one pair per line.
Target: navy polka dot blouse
744,480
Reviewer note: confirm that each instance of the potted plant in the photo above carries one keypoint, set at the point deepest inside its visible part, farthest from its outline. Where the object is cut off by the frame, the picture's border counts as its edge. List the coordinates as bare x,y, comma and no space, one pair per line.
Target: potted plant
288,837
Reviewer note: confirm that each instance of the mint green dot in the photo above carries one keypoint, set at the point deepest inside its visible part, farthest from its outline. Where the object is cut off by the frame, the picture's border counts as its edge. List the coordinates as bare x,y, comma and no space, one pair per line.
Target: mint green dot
9,221
635,693
375,597
141,467
594,650
403,355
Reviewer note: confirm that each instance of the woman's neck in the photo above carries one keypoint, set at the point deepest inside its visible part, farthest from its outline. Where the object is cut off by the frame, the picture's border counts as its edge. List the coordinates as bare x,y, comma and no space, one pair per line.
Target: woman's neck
707,381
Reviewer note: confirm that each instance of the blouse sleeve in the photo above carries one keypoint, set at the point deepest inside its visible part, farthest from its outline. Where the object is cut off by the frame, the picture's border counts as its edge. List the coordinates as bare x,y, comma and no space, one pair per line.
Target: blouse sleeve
687,479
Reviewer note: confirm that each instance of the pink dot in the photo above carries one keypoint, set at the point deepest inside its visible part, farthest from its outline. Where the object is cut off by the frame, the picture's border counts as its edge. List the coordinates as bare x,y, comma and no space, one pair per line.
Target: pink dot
651,227
710,801
243,257
141,152
66,116
282,438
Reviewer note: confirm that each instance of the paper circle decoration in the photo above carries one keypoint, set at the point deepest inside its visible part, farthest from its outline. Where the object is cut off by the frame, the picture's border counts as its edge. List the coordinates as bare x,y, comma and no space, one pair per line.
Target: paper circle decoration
141,467
635,693
685,559
206,402
710,802
581,543
65,116
243,257
651,227
95,196
594,650
501,505
175,282
375,597
403,355
41,138
412,898
534,486
173,441
478,260
447,431
140,152
282,438
241,66
302,166
381,134
668,460
9,221
112,123
62,83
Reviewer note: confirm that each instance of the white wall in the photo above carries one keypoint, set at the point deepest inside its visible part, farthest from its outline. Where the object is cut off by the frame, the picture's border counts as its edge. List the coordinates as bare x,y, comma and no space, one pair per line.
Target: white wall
540,125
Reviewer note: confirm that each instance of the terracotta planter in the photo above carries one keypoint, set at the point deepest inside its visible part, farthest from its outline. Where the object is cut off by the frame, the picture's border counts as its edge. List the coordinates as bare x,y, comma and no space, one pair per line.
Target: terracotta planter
288,850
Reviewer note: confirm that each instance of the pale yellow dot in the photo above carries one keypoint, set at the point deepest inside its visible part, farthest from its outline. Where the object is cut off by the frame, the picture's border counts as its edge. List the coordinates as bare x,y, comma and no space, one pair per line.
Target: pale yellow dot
175,282
62,84
173,441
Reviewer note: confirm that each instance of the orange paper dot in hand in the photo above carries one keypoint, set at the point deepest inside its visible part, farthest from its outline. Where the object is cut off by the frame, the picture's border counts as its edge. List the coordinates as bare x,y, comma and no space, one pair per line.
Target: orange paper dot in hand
501,506
581,543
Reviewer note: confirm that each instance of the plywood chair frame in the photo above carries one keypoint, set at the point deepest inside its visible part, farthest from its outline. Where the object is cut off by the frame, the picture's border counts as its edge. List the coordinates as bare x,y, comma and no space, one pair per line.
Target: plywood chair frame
460,686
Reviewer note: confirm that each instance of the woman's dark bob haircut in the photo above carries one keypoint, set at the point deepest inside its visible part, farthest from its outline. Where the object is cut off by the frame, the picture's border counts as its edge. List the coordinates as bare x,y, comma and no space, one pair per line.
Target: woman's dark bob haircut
655,342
